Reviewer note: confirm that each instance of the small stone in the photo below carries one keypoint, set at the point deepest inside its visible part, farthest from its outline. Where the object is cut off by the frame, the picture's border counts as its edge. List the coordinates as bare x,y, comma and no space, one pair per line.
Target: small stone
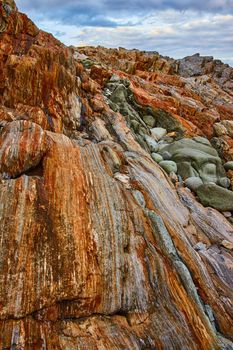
158,133
193,183
149,120
115,78
224,182
227,214
157,157
172,134
200,246
228,165
152,144
169,166
123,178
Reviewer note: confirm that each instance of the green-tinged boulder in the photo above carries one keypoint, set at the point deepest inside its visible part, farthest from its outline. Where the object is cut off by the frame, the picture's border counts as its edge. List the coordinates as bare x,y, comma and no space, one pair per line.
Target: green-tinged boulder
228,166
202,140
167,121
211,195
149,120
157,157
185,170
169,166
119,94
197,158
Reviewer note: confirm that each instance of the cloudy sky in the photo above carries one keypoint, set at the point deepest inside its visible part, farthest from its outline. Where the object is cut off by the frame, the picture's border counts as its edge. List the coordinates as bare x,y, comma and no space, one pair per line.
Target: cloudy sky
175,28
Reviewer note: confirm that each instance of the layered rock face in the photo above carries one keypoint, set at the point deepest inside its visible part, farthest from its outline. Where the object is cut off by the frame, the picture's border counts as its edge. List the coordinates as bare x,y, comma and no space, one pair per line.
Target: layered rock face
103,243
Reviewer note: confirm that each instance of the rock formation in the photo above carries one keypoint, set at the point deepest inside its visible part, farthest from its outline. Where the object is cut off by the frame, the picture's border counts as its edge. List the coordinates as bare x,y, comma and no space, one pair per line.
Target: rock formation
104,241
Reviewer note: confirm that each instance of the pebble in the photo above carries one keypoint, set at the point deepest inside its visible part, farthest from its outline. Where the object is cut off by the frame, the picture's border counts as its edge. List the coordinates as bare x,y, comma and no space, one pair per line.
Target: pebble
158,133
169,166
152,144
157,157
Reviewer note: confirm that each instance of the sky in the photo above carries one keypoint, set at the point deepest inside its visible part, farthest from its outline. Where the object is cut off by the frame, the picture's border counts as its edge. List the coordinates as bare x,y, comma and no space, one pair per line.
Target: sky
175,28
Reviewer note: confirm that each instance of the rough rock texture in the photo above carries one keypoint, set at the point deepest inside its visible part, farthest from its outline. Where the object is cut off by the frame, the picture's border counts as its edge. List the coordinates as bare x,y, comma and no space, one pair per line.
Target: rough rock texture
98,248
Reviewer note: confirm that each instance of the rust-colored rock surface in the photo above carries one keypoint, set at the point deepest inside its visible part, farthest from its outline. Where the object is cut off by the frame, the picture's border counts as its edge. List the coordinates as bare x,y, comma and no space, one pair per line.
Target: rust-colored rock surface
100,248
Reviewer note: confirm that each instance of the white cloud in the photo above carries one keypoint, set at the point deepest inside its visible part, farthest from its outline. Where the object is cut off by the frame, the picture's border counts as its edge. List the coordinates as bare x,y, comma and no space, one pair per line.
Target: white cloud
171,32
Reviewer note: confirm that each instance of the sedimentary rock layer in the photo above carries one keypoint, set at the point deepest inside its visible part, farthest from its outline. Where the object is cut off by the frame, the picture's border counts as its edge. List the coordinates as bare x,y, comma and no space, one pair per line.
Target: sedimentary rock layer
100,248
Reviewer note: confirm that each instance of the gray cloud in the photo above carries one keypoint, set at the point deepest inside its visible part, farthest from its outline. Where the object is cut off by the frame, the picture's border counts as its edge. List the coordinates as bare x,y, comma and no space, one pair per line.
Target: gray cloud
176,28
99,13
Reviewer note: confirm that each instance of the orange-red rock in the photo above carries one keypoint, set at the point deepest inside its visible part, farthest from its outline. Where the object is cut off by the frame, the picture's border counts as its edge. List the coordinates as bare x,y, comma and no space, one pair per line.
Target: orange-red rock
98,249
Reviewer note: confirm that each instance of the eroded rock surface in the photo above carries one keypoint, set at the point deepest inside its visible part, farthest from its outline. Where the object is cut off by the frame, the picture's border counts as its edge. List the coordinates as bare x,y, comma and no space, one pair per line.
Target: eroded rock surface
99,247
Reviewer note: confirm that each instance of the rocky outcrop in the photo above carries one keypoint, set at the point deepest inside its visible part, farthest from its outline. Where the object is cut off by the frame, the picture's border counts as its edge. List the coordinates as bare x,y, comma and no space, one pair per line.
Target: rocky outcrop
100,247
197,65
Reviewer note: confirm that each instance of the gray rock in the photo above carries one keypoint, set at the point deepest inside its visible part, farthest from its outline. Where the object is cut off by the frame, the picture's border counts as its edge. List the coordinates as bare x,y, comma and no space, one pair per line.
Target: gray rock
215,196
228,165
166,155
158,133
157,157
167,139
149,120
200,246
162,145
193,183
152,144
169,166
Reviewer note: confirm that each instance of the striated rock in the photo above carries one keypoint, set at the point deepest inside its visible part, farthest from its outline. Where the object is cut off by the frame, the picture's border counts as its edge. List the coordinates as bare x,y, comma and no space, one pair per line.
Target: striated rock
99,247
22,146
